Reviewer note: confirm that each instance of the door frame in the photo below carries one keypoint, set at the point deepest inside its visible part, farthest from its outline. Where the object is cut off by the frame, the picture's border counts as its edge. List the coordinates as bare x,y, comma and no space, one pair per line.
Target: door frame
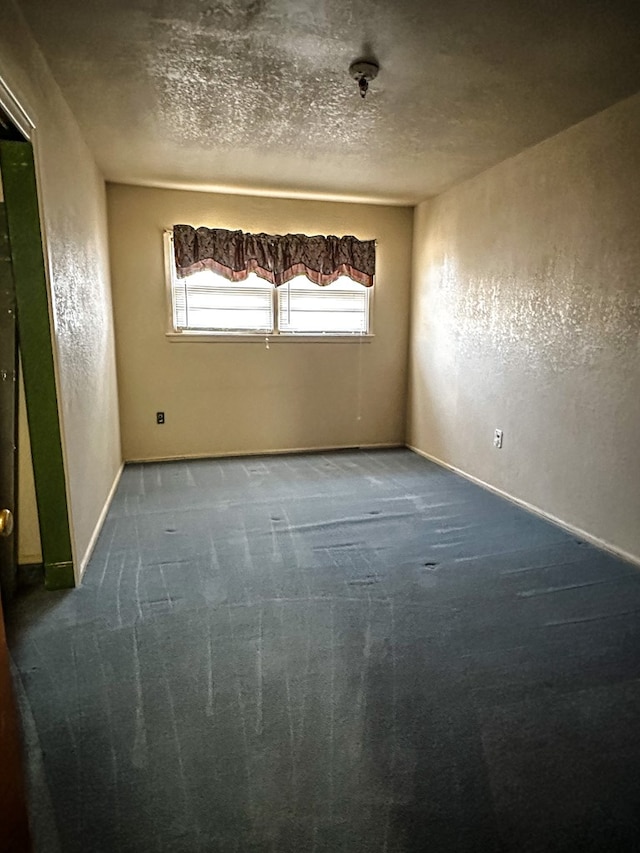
59,574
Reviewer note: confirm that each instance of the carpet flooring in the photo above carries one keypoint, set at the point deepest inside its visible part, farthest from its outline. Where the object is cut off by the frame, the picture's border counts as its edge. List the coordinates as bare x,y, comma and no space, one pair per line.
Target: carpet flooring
353,651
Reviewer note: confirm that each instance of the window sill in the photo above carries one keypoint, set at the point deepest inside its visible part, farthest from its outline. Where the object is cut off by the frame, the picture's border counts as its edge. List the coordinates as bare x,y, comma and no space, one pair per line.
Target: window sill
240,338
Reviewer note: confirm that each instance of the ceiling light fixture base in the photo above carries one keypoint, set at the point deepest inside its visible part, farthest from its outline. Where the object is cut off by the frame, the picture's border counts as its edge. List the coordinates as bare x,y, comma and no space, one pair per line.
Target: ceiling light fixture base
363,72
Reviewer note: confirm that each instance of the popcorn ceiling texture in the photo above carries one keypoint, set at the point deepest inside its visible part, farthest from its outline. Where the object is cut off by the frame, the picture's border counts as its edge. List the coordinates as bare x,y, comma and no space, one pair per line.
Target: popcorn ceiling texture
526,317
255,95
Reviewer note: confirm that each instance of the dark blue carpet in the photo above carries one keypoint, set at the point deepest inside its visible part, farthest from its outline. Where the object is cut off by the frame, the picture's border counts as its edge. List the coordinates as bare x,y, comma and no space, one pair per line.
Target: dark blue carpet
349,652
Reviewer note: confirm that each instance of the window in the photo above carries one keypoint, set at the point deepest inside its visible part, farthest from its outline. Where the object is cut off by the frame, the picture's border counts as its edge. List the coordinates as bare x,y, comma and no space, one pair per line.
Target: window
206,302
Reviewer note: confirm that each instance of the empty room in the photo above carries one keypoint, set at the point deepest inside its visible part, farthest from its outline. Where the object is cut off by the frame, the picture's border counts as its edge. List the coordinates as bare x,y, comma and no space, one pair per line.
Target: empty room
319,426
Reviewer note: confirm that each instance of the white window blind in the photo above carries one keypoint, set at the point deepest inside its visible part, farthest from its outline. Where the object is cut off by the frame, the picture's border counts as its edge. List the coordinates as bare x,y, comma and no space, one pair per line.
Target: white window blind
208,302
339,308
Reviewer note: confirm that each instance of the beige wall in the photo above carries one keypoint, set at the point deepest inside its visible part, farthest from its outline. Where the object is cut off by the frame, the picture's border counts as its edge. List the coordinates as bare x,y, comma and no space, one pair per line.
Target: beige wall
526,317
241,397
29,550
74,219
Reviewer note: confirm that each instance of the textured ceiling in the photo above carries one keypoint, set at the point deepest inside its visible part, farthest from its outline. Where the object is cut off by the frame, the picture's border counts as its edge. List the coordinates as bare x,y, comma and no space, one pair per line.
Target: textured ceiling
254,95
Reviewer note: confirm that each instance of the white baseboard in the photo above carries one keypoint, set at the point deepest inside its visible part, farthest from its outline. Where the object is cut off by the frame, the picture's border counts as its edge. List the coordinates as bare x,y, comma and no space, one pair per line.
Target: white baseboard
96,531
279,452
570,528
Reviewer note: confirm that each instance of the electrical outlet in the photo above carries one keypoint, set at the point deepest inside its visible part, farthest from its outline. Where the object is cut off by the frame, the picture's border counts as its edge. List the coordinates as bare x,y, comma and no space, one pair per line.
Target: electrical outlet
159,417
497,438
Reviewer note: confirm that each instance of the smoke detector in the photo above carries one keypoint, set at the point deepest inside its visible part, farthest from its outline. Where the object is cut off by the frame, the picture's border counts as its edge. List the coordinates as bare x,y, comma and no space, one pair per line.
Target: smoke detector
363,72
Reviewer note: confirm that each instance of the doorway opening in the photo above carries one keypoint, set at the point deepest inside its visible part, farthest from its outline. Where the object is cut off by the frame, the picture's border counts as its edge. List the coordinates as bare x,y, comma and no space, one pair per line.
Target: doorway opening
33,484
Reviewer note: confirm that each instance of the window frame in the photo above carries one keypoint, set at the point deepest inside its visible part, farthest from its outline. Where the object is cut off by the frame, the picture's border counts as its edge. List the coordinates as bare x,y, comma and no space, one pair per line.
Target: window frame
229,336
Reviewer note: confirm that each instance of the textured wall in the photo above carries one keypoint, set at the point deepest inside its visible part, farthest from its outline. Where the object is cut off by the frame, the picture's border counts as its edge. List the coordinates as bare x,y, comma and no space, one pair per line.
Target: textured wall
241,397
526,317
73,205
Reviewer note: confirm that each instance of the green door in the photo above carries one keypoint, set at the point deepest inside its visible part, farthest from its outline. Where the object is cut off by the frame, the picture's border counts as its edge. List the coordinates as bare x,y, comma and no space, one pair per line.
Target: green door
26,262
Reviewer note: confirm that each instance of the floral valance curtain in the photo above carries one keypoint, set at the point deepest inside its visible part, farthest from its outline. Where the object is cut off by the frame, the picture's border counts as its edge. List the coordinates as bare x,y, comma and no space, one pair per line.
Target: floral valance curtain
276,258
